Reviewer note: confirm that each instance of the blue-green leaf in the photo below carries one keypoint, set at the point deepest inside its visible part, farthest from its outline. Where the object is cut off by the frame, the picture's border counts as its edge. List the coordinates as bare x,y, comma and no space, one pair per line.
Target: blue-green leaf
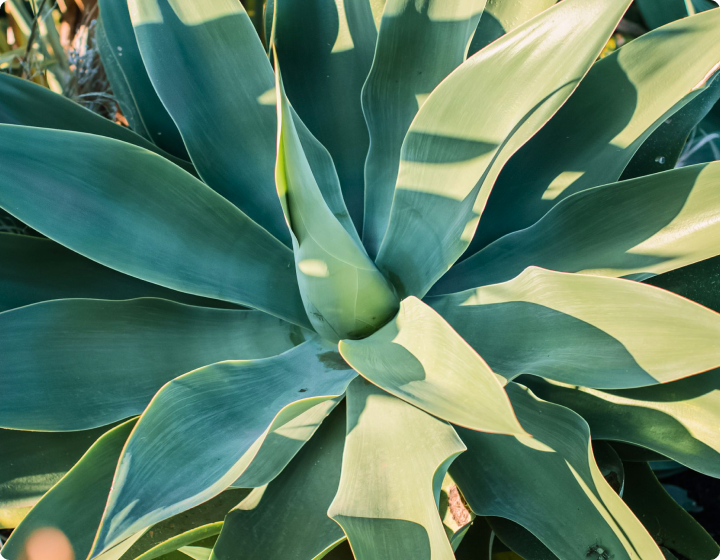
585,330
418,45
470,126
78,364
37,269
573,510
133,211
203,430
129,80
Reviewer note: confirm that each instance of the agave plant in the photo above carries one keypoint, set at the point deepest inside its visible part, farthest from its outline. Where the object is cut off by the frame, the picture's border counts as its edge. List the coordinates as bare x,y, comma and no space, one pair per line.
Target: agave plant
377,281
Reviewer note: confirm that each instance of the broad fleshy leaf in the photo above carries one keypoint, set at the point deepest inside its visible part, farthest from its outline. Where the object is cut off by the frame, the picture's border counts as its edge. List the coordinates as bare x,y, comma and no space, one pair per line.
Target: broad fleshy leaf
394,462
203,430
344,294
37,269
678,420
418,45
635,228
331,43
585,330
698,282
291,511
133,211
593,137
664,147
211,71
208,513
670,525
501,17
28,104
472,123
69,513
419,358
519,540
129,80
197,51
573,510
204,536
32,463
661,12
79,364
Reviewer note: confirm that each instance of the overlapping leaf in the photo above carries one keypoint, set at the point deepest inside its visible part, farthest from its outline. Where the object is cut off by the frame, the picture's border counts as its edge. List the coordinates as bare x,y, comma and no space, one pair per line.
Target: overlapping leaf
678,420
501,17
28,104
131,210
32,463
469,127
37,269
419,358
418,45
670,525
573,510
591,139
68,515
129,80
330,43
203,430
394,462
344,294
291,512
636,228
584,330
661,12
110,357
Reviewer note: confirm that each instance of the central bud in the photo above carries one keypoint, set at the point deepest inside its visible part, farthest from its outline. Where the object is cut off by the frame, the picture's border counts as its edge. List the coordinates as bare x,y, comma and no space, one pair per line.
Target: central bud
344,300
344,294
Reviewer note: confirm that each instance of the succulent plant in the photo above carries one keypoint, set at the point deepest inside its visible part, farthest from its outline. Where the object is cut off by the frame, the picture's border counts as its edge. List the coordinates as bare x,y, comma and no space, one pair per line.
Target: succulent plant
375,282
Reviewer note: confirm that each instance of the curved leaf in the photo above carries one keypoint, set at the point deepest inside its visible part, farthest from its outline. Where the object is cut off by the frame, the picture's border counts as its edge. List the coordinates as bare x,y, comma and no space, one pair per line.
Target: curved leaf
636,228
331,42
394,462
344,294
419,358
678,420
418,45
697,282
232,140
272,522
205,534
28,104
110,357
207,513
501,17
32,463
663,148
441,190
211,423
660,12
669,524
37,269
133,211
67,515
574,512
585,330
194,52
129,80
592,138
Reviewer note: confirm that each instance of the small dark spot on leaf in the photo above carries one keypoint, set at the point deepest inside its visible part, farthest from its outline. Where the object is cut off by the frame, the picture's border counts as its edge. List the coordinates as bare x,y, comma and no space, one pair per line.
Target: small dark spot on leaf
302,390
333,360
